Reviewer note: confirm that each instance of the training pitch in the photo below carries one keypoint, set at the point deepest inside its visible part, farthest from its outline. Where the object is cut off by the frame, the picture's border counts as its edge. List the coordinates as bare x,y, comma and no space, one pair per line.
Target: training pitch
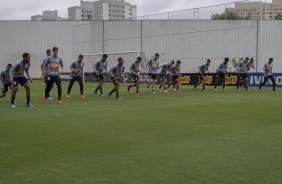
188,137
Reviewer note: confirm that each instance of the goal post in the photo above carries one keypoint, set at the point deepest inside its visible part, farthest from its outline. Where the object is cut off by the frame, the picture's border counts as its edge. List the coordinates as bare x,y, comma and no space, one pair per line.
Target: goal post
128,56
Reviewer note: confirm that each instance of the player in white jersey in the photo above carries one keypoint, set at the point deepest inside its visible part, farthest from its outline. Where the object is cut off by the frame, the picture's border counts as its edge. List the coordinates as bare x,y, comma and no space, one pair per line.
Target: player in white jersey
100,68
152,71
268,74
174,73
5,80
48,53
116,72
202,76
134,71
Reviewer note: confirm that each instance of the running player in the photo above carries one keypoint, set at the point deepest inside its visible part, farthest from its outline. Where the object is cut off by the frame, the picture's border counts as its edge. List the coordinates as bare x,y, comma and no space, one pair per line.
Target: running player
52,64
5,80
221,71
99,68
164,69
243,74
201,73
76,75
17,76
116,72
152,71
268,74
48,53
174,73
134,70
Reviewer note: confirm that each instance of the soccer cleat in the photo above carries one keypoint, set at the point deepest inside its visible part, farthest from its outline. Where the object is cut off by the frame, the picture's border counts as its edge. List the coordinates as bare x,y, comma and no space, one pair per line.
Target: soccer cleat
29,105
128,88
160,90
82,96
205,90
68,95
95,93
102,94
195,87
224,89
13,105
138,94
147,89
174,89
215,89
238,88
60,102
167,90
153,92
177,91
50,98
118,98
46,100
109,95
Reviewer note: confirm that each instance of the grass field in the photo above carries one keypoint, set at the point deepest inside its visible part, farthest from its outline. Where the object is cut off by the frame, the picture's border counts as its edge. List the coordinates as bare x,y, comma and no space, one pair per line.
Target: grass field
188,137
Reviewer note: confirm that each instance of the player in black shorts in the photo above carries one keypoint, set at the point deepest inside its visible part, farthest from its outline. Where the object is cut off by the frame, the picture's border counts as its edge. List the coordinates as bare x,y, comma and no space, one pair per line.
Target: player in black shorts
76,75
116,72
221,71
201,73
5,80
48,53
18,77
174,73
134,71
163,72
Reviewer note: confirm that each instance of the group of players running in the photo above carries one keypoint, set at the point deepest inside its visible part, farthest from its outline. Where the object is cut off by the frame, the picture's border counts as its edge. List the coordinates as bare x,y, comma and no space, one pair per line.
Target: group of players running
11,76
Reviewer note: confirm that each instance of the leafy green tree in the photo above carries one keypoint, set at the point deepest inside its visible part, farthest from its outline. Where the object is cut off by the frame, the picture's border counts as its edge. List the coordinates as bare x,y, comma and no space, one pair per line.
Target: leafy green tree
278,17
230,15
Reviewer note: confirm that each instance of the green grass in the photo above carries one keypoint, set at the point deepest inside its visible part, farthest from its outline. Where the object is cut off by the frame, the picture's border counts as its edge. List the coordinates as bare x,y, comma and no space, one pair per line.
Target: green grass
188,137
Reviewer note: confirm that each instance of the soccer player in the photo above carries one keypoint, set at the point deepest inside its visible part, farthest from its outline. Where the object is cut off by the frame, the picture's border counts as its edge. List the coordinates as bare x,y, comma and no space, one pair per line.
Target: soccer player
116,72
52,64
243,74
76,75
164,69
17,76
5,80
174,73
99,68
201,73
48,53
221,71
134,70
152,71
268,74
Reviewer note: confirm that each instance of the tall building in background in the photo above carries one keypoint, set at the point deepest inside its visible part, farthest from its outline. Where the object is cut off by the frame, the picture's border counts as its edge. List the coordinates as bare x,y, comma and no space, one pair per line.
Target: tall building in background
102,10
258,10
114,10
83,12
48,15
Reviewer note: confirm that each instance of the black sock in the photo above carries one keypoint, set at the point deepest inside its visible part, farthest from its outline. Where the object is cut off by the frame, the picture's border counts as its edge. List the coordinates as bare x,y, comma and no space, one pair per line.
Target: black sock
168,86
177,87
164,88
137,92
59,93
148,86
101,90
13,100
117,94
112,92
173,86
27,99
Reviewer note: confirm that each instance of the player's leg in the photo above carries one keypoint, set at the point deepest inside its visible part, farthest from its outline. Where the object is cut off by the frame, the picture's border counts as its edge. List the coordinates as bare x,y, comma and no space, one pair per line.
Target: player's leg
14,93
218,79
273,82
49,86
59,86
72,80
177,82
246,81
27,90
137,83
240,82
264,81
134,77
223,83
150,82
154,83
4,90
116,83
204,83
198,83
81,87
114,89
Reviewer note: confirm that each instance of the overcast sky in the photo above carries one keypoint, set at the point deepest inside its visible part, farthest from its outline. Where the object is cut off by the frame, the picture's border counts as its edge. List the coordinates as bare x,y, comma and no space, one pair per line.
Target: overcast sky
24,9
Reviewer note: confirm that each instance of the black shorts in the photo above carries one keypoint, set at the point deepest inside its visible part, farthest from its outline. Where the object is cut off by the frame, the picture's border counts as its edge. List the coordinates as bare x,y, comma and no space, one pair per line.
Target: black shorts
100,77
75,78
51,79
163,76
220,75
152,76
6,87
45,79
135,78
174,77
114,79
20,80
243,76
201,76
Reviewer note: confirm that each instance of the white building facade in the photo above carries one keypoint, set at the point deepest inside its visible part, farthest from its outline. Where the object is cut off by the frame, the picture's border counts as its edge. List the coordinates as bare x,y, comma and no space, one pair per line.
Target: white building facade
48,15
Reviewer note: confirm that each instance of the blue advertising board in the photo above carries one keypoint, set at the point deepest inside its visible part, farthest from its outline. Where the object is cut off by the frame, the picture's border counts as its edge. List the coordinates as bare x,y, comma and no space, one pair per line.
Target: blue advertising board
255,79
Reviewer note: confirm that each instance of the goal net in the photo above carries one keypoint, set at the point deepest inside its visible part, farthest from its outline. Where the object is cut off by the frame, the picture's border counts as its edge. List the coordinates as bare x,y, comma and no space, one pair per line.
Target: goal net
128,56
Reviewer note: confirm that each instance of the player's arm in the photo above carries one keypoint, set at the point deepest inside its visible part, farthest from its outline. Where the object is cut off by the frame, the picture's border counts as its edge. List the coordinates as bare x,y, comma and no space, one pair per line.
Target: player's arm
44,67
265,67
62,66
95,67
2,77
146,65
131,69
72,67
82,68
111,72
12,70
200,69
122,72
